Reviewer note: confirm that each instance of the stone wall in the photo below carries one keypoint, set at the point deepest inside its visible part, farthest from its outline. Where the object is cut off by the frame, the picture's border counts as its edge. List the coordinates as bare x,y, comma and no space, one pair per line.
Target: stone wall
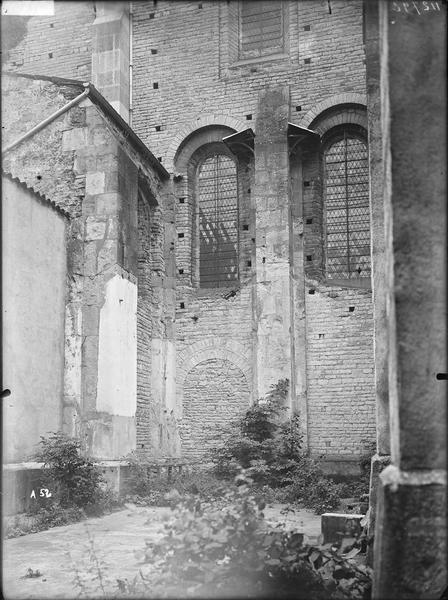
102,173
34,271
412,496
44,163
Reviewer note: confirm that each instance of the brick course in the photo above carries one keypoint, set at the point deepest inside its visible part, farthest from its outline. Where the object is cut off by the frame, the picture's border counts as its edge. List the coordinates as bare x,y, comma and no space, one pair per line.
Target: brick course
206,81
58,45
215,393
340,370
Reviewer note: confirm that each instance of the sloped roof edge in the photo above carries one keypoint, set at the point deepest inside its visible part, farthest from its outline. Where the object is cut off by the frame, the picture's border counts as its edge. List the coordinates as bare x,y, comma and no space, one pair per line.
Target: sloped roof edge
52,78
99,100
42,198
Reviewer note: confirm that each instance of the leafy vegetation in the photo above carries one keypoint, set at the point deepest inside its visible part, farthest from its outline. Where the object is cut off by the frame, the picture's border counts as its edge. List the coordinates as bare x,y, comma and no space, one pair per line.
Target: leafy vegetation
209,551
269,445
145,484
75,483
75,478
359,487
41,518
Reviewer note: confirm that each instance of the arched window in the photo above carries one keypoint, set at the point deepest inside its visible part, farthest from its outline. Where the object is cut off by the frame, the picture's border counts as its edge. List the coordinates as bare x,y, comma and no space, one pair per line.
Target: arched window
217,202
347,206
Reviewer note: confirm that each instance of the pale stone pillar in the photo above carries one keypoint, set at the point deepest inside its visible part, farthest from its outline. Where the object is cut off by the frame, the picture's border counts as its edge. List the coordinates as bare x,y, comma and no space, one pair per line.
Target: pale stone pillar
111,54
377,227
410,536
382,456
273,287
105,308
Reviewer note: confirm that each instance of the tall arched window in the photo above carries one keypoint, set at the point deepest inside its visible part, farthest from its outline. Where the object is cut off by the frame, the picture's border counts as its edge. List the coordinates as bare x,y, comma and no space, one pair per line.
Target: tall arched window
347,206
217,202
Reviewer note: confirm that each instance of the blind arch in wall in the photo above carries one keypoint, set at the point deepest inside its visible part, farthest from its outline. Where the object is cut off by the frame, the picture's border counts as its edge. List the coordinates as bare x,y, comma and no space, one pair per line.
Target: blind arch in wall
347,212
217,202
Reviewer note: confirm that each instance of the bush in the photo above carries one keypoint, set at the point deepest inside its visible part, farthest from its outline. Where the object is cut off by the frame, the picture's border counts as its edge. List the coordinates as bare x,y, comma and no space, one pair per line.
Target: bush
75,481
229,552
270,448
310,488
359,487
41,518
146,485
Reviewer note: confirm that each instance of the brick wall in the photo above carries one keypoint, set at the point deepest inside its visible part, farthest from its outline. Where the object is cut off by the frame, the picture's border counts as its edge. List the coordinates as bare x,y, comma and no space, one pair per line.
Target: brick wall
215,392
323,59
341,400
196,74
144,325
157,434
60,44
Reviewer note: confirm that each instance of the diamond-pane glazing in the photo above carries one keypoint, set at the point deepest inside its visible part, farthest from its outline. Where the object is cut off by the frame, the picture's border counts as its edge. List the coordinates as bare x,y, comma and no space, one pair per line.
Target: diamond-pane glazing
347,209
218,221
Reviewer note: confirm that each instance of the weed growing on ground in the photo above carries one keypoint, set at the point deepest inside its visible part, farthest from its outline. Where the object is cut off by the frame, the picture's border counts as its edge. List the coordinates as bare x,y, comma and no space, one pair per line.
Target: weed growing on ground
41,519
269,445
208,551
76,479
78,489
90,576
31,574
146,486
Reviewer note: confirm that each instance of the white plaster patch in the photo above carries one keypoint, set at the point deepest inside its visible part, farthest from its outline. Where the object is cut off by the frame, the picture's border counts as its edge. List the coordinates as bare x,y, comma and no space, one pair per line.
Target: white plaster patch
117,354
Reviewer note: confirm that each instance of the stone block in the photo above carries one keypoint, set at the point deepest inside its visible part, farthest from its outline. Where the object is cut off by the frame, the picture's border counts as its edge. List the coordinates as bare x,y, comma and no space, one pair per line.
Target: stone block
73,139
95,230
107,203
410,553
100,135
107,256
338,525
90,258
95,183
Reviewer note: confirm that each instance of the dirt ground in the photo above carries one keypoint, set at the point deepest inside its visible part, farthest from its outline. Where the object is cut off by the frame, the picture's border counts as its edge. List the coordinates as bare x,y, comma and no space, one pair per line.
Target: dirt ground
66,560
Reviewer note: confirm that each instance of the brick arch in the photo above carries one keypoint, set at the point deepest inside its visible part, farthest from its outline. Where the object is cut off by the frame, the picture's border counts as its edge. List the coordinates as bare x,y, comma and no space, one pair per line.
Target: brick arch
332,101
216,392
203,350
194,125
